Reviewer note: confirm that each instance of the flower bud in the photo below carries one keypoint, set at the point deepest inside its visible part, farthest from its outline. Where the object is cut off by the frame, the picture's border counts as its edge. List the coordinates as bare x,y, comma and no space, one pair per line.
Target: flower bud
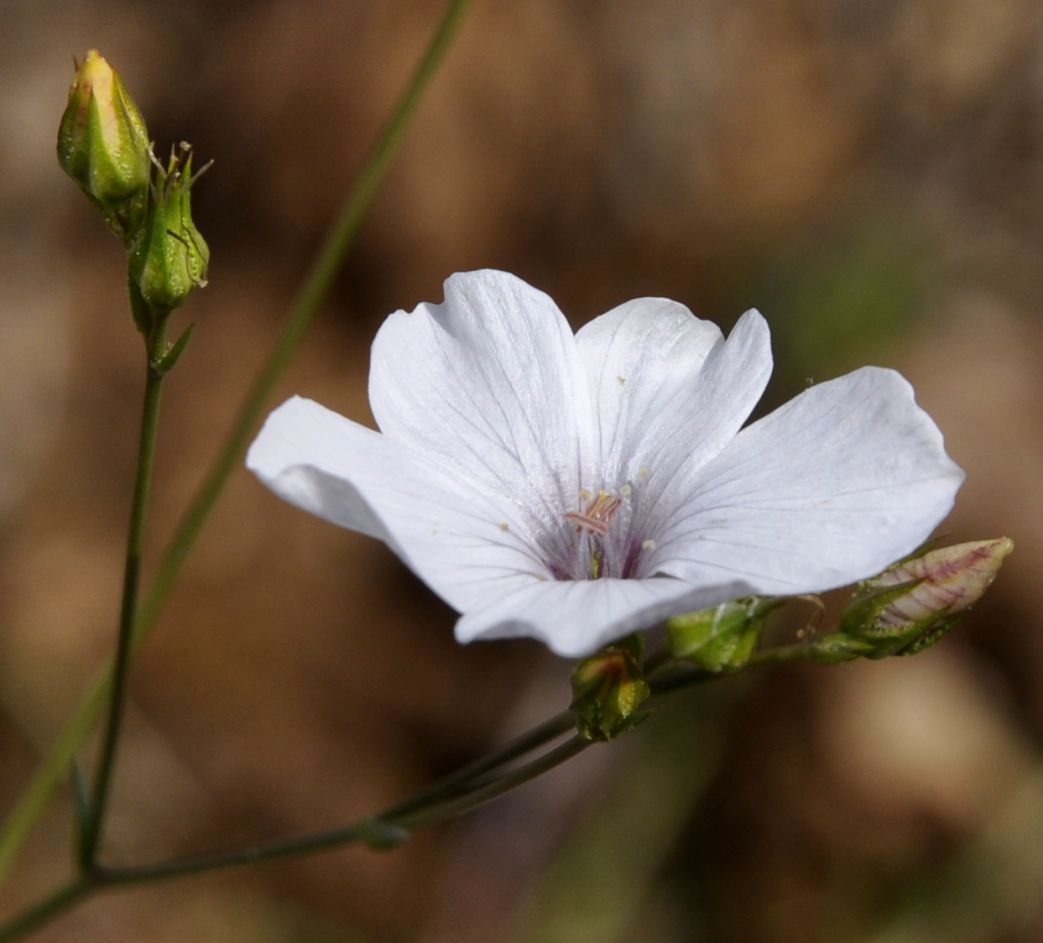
608,688
913,603
103,144
722,638
169,256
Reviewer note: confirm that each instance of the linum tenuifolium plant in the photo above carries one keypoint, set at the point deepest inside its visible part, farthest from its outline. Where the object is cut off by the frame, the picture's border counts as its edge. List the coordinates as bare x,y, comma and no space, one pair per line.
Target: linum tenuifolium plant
583,489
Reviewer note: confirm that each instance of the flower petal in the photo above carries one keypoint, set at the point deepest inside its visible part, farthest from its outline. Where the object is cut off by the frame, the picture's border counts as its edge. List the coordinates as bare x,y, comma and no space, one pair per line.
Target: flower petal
668,456
575,618
830,488
642,361
685,391
490,386
468,549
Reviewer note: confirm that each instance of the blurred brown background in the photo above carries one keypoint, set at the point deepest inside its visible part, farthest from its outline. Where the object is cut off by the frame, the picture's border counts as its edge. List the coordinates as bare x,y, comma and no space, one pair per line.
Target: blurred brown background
870,175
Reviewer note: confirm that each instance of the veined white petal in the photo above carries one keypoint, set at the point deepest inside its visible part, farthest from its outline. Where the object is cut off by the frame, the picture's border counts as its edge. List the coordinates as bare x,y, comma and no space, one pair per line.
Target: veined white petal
830,488
490,386
576,617
468,548
642,361
728,385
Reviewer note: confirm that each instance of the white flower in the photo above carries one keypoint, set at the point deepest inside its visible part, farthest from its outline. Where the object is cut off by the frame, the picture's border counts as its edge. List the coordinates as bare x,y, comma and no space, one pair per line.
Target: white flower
575,488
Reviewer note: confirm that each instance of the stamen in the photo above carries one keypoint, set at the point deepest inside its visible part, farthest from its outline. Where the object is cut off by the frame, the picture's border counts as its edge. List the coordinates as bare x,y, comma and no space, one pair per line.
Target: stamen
583,522
597,515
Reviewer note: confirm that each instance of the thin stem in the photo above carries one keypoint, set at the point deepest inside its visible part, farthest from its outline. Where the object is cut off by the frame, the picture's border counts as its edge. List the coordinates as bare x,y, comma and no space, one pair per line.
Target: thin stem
90,833
46,910
306,304
455,795
797,651
494,788
429,814
457,781
80,796
452,796
461,792
443,800
672,680
309,299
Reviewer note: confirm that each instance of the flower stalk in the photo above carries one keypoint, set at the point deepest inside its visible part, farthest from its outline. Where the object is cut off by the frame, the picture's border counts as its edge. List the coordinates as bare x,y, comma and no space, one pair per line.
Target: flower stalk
470,787
91,828
306,304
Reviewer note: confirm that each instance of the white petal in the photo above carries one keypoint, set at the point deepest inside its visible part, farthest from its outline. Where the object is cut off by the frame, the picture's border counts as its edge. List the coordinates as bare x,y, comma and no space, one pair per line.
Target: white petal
467,548
707,416
830,488
490,386
642,361
575,618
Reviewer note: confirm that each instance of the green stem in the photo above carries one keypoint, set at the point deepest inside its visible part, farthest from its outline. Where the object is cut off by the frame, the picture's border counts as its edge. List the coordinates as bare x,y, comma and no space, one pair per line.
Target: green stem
90,833
309,299
46,910
408,815
452,796
457,781
427,814
461,792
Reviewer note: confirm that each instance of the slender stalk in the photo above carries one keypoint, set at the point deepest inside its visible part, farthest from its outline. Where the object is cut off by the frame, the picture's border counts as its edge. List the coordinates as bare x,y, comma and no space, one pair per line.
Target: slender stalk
468,788
306,304
458,781
90,833
457,794
493,789
428,814
452,796
80,796
797,651
407,815
46,910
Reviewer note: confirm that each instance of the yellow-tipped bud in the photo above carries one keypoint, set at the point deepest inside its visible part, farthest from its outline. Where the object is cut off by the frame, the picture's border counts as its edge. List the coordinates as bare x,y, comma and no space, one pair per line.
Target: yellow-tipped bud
103,144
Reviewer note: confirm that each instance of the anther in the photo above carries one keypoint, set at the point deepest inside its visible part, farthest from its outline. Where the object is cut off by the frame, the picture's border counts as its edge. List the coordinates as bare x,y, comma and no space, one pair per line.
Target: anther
597,515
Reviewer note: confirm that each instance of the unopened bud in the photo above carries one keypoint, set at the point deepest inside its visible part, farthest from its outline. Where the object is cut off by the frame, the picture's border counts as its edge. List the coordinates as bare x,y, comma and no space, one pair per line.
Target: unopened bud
722,638
103,144
916,601
169,256
608,688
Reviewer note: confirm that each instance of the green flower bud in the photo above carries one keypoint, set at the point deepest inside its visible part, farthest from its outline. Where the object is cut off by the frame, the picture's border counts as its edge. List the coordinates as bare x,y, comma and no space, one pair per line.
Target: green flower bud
722,638
608,688
103,144
913,603
169,256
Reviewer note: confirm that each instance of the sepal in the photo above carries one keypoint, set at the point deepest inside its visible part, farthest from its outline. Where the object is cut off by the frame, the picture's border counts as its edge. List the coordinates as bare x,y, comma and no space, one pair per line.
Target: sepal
722,638
608,688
